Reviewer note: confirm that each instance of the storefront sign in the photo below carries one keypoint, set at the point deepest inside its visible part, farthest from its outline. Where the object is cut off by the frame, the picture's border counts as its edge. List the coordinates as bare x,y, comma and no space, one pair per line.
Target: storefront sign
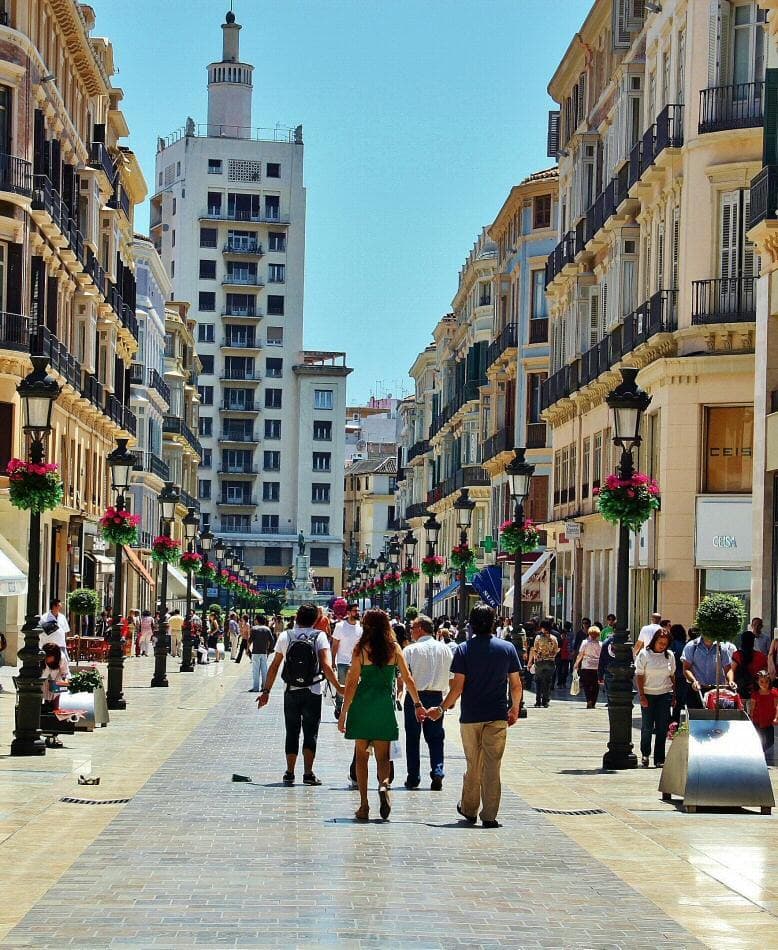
723,531
573,530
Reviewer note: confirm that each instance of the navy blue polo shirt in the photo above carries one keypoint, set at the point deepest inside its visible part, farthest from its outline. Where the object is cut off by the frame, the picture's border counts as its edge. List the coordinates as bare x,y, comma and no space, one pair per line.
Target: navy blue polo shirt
485,663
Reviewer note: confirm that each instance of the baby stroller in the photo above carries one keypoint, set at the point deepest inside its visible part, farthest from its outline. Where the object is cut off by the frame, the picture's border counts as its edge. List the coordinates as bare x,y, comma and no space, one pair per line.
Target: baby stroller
722,697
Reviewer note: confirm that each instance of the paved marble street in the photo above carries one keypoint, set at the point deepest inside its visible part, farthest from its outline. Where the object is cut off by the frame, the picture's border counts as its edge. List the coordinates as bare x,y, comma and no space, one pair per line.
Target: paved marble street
196,860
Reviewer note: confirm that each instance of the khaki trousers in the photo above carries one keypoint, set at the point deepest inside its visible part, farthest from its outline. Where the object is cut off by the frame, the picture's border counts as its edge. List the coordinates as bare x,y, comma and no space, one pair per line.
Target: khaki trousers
484,744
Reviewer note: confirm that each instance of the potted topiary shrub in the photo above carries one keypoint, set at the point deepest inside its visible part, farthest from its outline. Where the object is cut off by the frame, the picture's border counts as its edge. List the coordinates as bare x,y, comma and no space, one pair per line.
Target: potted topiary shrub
720,618
83,602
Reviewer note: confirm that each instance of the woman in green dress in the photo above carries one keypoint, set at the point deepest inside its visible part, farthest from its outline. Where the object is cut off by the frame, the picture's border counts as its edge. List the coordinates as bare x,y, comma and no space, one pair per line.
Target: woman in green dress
368,704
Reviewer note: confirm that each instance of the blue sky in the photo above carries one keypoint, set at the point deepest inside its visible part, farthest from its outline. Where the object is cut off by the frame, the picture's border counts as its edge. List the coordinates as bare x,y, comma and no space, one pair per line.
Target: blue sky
418,117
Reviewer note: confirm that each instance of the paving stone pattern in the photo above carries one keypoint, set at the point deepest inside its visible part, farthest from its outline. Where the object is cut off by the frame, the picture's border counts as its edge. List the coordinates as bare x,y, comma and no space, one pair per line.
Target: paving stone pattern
196,860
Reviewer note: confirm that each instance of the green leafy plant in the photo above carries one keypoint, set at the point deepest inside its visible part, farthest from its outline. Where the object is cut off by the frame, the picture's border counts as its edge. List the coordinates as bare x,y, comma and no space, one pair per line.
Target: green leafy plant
84,602
432,565
34,486
119,526
411,613
85,681
523,538
720,617
462,556
216,609
165,550
628,500
271,601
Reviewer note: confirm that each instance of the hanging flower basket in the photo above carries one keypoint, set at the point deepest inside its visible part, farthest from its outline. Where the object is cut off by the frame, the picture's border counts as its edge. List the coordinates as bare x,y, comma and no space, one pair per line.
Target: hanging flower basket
191,561
165,550
34,486
119,527
628,500
518,538
208,570
410,575
462,556
432,565
393,581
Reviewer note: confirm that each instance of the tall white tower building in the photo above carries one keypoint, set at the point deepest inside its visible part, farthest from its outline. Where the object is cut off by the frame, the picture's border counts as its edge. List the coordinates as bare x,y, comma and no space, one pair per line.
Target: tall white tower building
228,219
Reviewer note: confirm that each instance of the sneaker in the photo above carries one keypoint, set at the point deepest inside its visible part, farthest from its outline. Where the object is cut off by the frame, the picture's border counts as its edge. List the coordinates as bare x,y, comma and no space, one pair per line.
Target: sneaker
310,779
288,778
437,783
412,784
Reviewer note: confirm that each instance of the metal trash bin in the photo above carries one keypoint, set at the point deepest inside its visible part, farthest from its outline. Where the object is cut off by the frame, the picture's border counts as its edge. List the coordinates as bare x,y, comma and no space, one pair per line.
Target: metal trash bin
90,709
718,762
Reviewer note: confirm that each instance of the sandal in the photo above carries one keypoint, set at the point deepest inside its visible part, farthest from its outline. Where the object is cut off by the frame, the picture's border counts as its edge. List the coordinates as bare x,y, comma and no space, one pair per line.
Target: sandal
362,813
386,802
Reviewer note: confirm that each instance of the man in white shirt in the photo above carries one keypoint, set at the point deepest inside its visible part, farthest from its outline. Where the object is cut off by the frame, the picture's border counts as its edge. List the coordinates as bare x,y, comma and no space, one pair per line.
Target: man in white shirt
429,660
58,635
302,704
644,637
345,637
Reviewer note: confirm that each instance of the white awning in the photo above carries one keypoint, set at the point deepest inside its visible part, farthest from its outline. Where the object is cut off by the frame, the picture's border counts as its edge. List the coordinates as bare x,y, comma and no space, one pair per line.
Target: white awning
12,581
105,565
176,580
532,571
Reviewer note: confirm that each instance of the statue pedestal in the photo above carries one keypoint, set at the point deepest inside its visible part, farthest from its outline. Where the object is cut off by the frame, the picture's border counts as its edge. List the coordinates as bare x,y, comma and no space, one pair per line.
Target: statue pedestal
303,591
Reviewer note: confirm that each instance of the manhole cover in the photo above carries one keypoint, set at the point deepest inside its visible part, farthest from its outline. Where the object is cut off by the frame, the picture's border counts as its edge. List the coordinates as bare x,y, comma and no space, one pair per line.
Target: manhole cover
558,811
91,801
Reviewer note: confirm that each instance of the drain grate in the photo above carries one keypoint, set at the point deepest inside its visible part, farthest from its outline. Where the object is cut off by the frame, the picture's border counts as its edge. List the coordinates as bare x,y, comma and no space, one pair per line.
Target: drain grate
558,811
91,801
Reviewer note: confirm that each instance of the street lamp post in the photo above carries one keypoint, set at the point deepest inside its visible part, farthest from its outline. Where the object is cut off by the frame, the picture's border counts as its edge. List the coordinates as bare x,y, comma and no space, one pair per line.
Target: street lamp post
519,474
372,573
121,463
464,507
381,560
409,543
395,549
191,524
206,543
220,552
364,576
38,392
627,402
432,530
168,499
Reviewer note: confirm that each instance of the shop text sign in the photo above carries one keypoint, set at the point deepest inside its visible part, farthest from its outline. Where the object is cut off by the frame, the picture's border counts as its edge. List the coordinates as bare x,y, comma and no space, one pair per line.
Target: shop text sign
723,531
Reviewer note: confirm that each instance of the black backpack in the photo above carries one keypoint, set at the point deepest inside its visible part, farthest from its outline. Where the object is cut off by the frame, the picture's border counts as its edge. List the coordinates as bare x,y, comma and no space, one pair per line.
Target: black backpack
301,664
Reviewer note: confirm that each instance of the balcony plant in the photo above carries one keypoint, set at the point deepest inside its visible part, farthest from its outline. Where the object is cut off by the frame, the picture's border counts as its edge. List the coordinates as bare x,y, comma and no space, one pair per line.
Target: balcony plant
410,575
165,550
462,557
34,486
519,538
119,526
628,500
432,565
191,562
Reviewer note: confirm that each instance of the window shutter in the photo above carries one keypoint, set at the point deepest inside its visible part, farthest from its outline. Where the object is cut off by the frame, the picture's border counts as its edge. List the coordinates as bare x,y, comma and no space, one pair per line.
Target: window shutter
750,260
724,39
6,434
636,13
660,256
552,149
603,310
581,96
713,42
676,245
647,269
620,30
594,320
771,118
728,234
13,294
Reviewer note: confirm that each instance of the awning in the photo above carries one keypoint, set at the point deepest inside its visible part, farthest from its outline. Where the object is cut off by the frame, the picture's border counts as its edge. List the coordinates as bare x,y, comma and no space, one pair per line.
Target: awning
532,571
138,566
176,580
105,565
450,591
12,581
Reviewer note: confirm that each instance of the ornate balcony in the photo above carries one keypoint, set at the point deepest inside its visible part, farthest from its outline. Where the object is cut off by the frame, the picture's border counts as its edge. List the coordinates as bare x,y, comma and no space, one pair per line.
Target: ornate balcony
15,175
740,106
724,300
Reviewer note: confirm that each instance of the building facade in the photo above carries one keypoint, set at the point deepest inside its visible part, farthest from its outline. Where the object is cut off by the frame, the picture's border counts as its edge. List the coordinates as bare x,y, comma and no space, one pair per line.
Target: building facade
228,218
68,189
369,513
517,364
659,134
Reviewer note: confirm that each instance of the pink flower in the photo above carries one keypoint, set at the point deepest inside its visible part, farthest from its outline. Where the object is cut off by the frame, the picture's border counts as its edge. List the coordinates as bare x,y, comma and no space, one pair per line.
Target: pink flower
639,479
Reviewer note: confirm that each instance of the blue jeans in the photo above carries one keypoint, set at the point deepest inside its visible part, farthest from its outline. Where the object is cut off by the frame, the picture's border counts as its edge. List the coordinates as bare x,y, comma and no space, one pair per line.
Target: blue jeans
434,736
343,669
656,718
258,671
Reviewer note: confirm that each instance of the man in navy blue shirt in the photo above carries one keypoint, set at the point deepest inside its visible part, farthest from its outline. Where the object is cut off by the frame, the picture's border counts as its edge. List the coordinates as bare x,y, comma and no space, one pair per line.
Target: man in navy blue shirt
483,667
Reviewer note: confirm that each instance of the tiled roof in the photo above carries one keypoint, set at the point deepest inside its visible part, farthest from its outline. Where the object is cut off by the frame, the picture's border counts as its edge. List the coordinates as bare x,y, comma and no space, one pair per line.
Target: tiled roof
383,465
548,174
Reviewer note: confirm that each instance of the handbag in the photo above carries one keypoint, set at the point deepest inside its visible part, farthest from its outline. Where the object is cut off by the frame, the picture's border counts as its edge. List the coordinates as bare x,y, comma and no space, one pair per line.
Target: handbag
575,686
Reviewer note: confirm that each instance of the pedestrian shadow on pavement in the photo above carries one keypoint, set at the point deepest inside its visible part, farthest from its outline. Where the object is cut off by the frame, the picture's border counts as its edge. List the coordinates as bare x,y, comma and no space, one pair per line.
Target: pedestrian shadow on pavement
597,770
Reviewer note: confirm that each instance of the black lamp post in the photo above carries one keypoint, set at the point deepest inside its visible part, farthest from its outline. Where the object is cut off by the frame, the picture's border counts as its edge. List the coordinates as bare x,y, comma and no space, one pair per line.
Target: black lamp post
372,568
206,543
627,402
464,507
121,462
381,561
191,524
409,544
432,530
364,576
519,474
38,392
168,499
395,549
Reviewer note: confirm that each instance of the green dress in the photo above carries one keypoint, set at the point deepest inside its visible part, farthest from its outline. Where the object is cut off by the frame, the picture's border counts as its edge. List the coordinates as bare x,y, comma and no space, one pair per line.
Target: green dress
371,713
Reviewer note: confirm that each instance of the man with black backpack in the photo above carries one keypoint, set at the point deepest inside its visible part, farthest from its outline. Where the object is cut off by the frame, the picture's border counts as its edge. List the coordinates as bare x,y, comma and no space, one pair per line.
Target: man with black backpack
305,654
